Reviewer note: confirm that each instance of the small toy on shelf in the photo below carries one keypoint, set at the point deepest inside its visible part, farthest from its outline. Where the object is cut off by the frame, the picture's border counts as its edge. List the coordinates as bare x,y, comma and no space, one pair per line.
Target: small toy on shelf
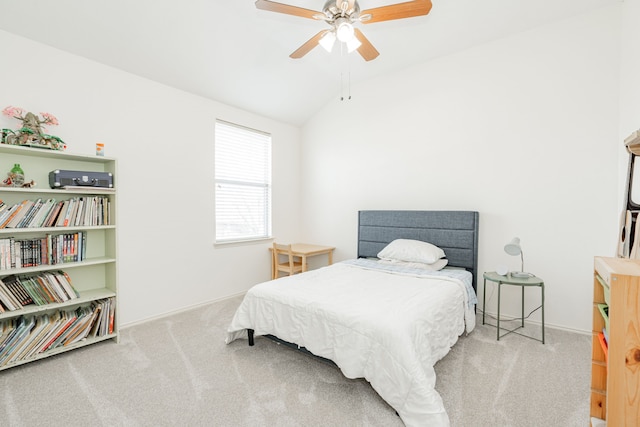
8,182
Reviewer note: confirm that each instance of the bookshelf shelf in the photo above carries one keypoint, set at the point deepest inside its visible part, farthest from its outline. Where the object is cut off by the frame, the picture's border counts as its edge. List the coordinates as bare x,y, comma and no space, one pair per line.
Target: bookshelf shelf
58,319
58,350
85,297
63,266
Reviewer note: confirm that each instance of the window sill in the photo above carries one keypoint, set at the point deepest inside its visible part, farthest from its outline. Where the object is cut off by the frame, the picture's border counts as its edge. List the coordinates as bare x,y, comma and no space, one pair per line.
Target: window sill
232,243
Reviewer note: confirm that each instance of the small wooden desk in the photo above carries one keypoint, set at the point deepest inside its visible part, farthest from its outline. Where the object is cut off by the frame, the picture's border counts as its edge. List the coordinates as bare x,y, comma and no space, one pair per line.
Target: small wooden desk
304,250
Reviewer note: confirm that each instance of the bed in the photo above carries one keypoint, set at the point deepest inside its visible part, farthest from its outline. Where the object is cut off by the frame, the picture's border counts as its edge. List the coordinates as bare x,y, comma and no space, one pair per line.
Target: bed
375,319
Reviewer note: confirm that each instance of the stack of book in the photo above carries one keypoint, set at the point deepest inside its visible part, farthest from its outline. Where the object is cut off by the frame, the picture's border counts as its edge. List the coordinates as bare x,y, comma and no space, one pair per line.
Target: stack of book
25,337
48,250
41,289
74,212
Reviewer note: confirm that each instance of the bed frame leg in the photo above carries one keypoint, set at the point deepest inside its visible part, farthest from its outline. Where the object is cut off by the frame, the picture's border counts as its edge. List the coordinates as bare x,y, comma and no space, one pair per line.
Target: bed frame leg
250,336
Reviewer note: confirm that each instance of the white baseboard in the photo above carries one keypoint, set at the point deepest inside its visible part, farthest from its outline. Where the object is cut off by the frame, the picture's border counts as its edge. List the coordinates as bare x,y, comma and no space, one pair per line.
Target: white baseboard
181,310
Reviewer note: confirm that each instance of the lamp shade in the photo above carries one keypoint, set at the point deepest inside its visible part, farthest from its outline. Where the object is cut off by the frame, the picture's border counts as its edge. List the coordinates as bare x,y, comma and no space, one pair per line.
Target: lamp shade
344,30
327,41
353,44
513,247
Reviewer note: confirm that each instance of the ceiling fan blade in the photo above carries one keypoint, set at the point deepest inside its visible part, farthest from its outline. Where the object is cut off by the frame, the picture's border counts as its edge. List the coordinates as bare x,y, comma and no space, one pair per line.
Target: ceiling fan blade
398,11
366,49
272,6
307,46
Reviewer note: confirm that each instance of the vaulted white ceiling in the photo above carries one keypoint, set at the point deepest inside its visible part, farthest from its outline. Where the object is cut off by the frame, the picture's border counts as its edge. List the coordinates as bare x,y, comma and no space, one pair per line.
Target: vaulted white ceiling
229,51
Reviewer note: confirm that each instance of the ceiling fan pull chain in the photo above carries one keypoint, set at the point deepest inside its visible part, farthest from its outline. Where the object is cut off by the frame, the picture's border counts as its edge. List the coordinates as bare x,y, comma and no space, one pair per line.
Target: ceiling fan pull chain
346,68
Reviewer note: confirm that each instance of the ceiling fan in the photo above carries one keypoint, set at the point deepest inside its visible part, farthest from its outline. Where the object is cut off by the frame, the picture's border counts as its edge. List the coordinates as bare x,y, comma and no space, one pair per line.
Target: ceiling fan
341,15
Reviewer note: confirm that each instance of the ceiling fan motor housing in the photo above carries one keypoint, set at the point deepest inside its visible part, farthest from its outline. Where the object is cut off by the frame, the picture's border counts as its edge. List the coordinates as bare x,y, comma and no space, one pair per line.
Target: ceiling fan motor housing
333,9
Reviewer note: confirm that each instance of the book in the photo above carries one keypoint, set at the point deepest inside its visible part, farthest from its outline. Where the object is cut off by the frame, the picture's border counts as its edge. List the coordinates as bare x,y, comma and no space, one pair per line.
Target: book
64,282
83,240
42,214
3,259
32,290
20,213
43,283
98,307
11,328
35,207
13,344
43,325
9,214
112,313
17,251
72,319
5,215
73,212
51,219
6,327
55,321
62,215
8,300
84,315
27,340
66,319
15,287
79,215
48,280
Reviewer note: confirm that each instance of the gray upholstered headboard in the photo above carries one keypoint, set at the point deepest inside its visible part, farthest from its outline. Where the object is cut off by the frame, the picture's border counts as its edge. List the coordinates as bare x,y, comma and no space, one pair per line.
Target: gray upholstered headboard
456,232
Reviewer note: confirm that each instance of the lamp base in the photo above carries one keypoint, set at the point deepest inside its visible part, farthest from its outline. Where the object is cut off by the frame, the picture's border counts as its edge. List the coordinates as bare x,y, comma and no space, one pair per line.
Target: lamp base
520,274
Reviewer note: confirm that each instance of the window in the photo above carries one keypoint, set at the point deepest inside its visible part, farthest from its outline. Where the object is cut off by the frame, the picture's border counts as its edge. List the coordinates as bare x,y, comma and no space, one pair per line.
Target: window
243,183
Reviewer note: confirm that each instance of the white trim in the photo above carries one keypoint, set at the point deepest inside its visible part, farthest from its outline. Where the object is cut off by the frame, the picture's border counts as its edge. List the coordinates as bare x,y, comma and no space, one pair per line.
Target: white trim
181,310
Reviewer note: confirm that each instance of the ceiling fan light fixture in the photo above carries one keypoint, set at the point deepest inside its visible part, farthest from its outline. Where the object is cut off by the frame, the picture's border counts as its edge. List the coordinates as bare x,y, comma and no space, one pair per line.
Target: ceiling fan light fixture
344,30
327,41
353,44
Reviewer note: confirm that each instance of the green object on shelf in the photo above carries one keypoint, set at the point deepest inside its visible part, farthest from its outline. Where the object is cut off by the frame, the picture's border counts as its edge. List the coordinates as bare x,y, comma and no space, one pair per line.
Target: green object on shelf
604,311
17,175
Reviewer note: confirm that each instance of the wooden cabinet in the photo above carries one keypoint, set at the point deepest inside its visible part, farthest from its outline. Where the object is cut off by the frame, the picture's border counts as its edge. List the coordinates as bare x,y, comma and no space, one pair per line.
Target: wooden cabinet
615,366
94,276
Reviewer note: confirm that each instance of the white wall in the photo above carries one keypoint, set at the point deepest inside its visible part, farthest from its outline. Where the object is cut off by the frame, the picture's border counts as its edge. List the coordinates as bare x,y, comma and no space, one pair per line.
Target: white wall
629,84
163,140
523,130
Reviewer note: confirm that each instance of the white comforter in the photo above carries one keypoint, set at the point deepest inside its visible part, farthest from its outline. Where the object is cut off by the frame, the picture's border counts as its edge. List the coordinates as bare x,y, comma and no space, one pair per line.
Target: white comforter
388,328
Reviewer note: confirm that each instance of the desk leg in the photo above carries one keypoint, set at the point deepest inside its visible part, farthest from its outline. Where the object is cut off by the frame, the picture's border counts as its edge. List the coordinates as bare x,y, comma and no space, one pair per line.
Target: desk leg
484,299
304,263
273,267
542,313
522,315
330,257
498,322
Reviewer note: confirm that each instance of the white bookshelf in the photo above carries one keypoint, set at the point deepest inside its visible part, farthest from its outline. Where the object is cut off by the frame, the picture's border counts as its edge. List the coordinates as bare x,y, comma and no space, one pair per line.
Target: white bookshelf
95,277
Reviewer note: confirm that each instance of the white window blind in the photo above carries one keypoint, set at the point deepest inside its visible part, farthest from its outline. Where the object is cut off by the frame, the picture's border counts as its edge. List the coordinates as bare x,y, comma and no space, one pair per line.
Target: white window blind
243,183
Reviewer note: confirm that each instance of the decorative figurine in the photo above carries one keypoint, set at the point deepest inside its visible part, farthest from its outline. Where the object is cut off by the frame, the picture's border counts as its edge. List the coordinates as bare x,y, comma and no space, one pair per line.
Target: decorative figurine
8,182
32,131
17,175
15,178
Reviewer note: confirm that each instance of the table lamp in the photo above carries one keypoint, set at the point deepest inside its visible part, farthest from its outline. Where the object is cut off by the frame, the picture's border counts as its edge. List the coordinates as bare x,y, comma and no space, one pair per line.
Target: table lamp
514,248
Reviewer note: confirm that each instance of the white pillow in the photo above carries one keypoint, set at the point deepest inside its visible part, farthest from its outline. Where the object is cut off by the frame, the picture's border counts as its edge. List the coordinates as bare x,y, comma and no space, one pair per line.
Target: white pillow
411,251
438,265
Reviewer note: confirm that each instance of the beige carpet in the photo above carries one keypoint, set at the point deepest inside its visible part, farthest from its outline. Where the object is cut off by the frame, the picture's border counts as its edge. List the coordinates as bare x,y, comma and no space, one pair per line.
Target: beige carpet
177,371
